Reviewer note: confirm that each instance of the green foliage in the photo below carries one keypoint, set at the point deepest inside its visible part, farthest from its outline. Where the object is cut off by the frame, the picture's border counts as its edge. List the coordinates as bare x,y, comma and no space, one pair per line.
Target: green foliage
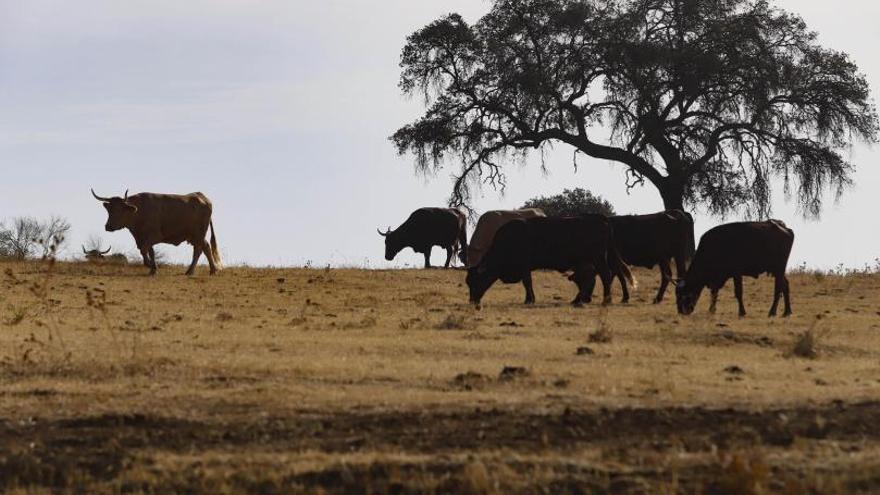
571,202
706,100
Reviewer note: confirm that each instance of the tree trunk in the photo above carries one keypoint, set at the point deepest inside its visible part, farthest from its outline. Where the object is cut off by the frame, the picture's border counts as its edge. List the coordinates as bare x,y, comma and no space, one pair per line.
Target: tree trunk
672,192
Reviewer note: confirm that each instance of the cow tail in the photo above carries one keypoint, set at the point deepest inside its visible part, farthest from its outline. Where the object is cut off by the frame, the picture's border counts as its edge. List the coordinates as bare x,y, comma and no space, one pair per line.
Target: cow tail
218,261
622,267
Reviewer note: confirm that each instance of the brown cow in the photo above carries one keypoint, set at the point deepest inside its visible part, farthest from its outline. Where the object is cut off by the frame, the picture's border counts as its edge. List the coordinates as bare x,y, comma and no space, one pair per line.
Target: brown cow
165,219
487,227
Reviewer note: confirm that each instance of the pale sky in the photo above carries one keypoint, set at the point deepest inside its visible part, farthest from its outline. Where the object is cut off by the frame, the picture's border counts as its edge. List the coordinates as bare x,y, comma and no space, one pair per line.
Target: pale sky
279,111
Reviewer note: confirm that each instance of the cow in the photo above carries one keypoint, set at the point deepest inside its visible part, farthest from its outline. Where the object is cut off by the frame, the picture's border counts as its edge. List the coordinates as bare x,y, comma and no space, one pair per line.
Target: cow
732,251
426,228
95,254
98,256
488,225
584,244
652,240
165,219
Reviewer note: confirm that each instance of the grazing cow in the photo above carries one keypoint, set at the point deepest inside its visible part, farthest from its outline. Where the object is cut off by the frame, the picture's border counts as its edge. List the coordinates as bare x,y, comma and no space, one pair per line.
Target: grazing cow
98,256
165,219
732,251
95,254
584,244
652,240
488,225
426,228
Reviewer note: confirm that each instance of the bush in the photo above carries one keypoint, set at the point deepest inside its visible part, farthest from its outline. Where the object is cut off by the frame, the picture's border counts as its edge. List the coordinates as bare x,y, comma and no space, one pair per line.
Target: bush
571,202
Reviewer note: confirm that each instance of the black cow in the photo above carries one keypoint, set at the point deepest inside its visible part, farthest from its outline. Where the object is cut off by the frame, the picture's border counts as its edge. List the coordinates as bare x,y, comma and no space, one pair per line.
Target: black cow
584,244
426,228
652,240
732,251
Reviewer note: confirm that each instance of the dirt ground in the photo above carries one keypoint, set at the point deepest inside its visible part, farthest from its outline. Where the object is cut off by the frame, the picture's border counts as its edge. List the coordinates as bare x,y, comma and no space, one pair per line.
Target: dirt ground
360,381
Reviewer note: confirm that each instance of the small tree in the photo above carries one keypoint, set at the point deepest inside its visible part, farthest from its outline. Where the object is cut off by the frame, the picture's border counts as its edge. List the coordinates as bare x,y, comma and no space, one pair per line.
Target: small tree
571,202
53,235
19,240
27,237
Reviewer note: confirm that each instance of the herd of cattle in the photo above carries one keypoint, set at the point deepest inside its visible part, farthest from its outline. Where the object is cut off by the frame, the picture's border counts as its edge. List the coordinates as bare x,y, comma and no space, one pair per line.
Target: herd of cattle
509,245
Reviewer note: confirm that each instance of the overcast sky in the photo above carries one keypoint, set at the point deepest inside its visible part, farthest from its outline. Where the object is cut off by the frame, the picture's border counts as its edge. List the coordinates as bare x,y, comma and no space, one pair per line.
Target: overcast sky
279,111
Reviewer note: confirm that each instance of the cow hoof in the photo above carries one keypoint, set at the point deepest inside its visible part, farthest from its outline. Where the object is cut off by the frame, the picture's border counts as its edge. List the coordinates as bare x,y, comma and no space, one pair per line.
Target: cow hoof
577,304
786,314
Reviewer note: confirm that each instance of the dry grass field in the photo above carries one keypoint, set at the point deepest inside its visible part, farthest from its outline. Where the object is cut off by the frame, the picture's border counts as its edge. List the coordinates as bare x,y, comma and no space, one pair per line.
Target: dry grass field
358,381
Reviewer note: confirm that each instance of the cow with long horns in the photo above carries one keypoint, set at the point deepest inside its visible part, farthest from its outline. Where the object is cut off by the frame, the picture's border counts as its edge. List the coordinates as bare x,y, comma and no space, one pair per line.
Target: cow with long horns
426,228
165,219
98,256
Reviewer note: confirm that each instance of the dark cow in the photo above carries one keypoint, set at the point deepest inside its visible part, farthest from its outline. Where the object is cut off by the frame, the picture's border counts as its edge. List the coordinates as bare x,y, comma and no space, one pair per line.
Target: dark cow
426,228
652,240
95,254
98,256
165,219
732,251
584,244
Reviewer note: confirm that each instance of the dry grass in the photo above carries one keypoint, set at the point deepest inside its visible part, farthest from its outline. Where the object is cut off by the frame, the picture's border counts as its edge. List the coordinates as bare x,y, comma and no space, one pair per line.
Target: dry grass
278,381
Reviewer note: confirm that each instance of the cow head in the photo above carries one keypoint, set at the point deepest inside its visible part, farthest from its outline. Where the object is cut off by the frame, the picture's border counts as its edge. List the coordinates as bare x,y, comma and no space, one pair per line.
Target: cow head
95,254
120,213
686,296
393,244
478,281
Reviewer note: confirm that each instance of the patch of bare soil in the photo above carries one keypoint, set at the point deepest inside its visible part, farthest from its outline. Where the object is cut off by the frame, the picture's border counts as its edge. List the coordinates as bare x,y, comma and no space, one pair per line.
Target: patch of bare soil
60,454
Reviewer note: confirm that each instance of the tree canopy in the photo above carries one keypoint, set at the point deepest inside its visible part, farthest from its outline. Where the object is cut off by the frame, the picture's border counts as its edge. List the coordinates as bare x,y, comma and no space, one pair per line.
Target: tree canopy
706,100
571,202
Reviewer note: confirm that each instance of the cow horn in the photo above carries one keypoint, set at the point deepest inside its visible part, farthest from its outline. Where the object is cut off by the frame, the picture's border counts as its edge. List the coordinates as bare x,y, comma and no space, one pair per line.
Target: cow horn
383,234
108,250
84,249
125,198
99,198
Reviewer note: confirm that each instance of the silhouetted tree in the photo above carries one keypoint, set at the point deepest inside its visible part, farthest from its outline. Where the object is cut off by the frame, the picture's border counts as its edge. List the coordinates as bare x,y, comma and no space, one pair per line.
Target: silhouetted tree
706,100
571,202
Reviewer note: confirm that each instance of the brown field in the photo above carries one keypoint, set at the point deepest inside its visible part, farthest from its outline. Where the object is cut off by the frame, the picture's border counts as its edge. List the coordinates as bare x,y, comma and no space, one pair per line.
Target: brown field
357,381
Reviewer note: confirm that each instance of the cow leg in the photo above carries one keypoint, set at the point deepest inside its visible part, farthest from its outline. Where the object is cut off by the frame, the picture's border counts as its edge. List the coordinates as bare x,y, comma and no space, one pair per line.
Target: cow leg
623,286
527,284
428,257
604,272
582,277
786,297
450,252
777,293
714,300
665,277
149,258
197,253
209,253
738,290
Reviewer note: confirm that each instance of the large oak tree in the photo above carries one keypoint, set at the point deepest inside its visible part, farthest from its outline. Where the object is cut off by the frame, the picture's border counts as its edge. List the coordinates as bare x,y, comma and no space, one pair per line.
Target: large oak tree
706,100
